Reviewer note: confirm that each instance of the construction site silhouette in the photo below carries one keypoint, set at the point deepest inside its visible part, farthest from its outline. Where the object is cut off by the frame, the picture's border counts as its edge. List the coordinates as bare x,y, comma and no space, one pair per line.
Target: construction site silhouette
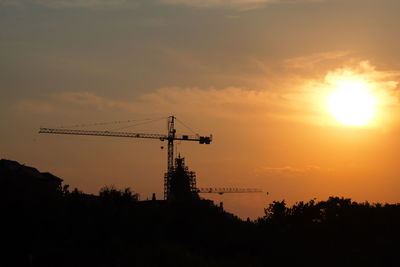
46,224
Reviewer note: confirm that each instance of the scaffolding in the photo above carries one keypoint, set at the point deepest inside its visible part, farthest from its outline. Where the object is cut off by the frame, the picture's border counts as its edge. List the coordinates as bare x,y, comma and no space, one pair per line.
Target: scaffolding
180,183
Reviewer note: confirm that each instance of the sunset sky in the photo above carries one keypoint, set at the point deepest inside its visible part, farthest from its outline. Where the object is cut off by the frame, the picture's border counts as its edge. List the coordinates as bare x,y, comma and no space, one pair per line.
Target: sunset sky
260,75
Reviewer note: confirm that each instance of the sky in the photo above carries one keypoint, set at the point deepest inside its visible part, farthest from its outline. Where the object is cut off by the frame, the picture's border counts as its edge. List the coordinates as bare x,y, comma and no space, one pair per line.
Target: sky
257,74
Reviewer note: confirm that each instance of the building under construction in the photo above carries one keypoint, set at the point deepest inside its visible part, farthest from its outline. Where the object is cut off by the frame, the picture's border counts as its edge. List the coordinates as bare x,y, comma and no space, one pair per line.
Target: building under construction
180,183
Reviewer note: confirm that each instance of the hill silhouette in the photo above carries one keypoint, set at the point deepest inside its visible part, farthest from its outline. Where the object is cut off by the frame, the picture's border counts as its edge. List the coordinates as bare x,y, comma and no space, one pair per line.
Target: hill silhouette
62,227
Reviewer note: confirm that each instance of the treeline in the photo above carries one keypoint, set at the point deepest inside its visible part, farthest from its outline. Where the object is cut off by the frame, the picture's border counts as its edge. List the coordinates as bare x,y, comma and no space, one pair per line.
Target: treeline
106,193
335,232
333,211
114,228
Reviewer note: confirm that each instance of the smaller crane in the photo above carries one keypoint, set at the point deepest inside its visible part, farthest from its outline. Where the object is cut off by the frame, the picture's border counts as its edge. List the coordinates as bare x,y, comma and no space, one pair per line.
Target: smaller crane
183,186
224,190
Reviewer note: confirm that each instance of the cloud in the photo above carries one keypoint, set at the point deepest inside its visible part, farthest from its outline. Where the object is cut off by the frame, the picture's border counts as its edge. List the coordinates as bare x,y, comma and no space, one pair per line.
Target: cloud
12,3
231,102
290,171
84,99
218,3
316,59
304,102
228,103
104,4
57,4
245,4
35,106
383,84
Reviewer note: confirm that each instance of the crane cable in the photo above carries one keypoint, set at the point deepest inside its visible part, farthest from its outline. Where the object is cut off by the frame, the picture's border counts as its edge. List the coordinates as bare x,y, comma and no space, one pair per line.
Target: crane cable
142,121
139,122
187,127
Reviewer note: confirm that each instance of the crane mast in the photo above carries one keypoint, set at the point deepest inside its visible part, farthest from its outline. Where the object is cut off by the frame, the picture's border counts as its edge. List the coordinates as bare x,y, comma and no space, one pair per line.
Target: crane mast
171,138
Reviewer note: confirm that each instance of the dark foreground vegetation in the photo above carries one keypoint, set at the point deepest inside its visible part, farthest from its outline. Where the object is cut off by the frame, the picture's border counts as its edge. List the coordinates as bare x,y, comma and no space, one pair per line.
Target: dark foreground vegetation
113,229
44,224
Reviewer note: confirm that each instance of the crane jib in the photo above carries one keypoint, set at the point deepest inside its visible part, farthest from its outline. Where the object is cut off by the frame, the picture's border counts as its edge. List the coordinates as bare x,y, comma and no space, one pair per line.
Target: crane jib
102,133
162,137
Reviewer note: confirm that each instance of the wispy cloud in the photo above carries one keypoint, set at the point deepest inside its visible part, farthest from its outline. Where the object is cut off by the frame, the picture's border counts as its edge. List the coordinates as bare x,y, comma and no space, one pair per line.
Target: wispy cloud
242,4
219,3
245,4
35,106
316,59
14,3
233,103
57,4
290,171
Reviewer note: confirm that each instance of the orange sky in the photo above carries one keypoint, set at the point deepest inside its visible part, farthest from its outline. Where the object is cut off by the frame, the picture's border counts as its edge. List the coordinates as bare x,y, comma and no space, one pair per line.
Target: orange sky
255,74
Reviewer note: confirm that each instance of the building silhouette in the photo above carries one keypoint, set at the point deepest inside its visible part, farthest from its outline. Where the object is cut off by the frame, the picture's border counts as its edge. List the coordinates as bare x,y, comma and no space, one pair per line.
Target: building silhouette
180,183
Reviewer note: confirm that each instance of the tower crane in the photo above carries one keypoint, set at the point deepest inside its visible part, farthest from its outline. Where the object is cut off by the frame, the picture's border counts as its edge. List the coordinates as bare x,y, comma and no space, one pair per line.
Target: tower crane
170,137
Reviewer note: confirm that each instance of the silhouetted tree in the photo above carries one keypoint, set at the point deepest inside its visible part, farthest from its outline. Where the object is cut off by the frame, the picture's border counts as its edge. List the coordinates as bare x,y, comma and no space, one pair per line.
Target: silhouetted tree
110,193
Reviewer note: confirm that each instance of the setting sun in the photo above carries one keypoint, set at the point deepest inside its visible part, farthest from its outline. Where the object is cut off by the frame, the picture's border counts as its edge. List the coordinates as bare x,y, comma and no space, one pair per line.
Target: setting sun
351,103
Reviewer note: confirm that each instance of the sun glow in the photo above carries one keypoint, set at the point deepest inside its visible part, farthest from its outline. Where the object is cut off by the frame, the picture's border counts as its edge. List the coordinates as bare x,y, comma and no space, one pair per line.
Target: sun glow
352,103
